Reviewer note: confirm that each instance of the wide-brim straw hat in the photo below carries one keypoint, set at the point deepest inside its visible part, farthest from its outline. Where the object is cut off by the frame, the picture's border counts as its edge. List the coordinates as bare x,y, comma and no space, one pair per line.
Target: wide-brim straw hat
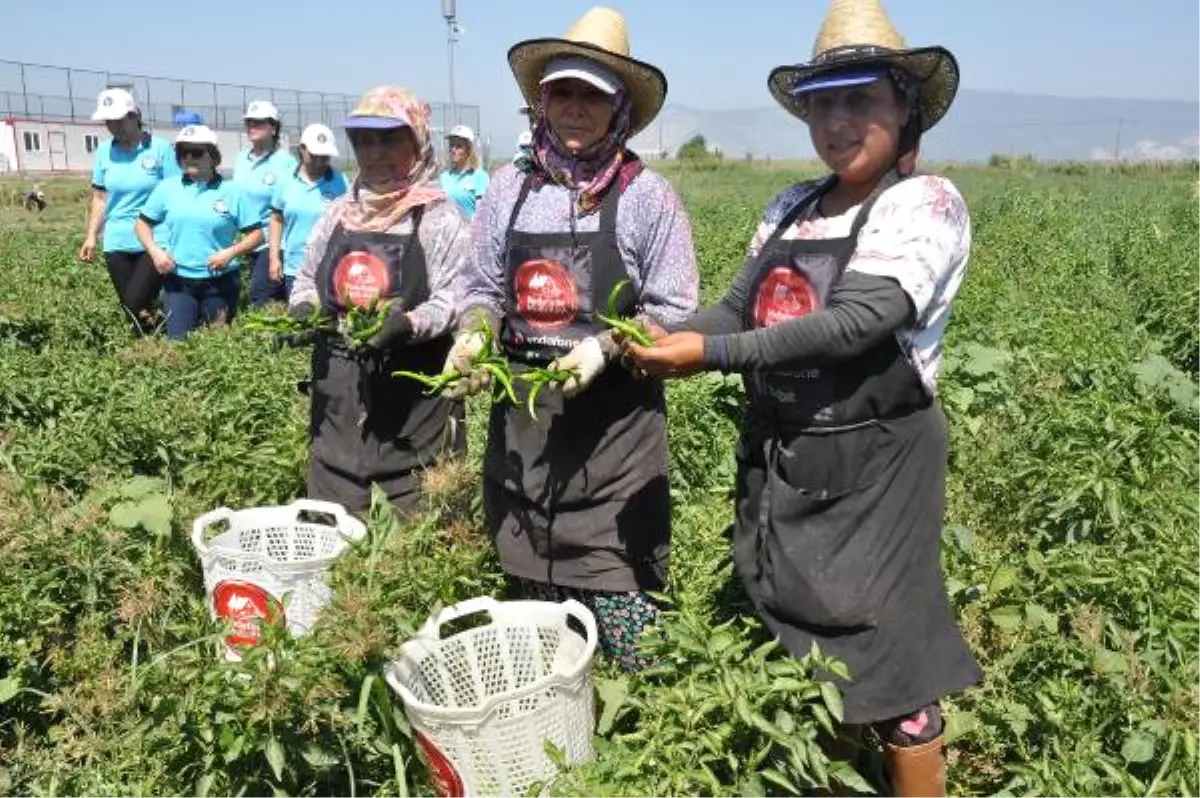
601,36
858,33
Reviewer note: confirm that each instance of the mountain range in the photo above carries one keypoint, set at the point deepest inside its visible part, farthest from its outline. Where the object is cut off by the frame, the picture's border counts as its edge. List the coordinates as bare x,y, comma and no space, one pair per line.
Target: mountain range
979,125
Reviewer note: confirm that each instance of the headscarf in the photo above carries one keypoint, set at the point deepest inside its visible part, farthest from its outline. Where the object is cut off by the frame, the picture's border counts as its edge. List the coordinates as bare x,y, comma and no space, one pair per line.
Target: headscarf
378,207
590,172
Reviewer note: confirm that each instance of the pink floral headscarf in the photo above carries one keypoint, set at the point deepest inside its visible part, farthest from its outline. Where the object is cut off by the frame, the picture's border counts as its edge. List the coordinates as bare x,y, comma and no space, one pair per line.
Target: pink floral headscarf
378,207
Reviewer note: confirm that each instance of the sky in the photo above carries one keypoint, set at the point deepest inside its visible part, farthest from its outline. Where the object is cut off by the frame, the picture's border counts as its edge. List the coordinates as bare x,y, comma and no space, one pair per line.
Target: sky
716,53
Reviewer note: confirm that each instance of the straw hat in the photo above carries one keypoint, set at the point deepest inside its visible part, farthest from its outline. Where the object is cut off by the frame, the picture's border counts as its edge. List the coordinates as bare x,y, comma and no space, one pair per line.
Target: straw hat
858,33
600,36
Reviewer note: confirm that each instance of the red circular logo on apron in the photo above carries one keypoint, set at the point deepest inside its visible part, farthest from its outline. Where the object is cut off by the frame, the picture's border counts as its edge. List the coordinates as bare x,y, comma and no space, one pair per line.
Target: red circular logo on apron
784,295
360,277
244,604
446,781
546,295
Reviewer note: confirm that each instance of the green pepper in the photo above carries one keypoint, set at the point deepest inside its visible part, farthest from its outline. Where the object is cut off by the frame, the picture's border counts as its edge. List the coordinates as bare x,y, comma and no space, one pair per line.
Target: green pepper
634,330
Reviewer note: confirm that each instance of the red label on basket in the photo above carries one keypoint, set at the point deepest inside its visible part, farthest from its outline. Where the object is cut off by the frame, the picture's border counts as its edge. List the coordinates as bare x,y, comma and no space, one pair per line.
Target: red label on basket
244,604
446,780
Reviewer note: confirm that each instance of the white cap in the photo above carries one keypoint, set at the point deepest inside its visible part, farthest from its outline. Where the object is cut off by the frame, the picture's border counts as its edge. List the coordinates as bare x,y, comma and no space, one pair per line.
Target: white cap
318,140
525,139
584,69
261,109
461,132
114,104
196,134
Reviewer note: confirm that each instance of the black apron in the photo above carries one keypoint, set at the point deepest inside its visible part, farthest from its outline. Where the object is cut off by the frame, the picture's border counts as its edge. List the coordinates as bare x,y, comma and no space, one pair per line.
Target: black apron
366,425
578,498
841,483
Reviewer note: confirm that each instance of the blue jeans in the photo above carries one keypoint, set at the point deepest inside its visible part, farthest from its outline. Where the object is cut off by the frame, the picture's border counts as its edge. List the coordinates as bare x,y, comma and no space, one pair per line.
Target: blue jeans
188,301
262,289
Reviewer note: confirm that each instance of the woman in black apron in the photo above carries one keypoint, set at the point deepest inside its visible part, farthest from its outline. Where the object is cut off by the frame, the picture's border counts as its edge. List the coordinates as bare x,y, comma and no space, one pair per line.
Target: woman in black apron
393,236
577,499
836,321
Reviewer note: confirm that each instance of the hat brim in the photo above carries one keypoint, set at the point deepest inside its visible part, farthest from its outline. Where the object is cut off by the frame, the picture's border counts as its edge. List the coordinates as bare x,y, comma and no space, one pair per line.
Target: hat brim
373,123
935,69
645,83
111,116
321,150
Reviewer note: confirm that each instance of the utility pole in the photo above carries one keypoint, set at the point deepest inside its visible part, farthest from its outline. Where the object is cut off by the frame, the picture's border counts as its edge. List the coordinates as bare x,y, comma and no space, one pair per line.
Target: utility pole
453,31
1117,146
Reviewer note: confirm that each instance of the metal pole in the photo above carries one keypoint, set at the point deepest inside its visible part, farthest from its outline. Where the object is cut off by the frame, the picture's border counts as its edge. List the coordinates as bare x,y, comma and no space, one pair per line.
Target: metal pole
450,47
24,91
70,95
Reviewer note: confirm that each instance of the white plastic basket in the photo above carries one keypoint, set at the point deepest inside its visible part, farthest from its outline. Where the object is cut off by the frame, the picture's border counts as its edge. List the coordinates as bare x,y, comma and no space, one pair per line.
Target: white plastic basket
265,554
483,702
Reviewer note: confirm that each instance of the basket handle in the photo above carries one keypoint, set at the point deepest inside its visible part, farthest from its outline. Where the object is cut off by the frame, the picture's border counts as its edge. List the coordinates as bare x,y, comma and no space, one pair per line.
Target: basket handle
581,613
347,525
205,521
433,627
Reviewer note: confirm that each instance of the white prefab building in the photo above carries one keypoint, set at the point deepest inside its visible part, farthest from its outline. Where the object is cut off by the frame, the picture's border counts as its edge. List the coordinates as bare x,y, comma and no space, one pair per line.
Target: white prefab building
49,147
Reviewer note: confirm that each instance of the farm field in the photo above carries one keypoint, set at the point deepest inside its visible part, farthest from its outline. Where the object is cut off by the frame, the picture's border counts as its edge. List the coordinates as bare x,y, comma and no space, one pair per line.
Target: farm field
1070,542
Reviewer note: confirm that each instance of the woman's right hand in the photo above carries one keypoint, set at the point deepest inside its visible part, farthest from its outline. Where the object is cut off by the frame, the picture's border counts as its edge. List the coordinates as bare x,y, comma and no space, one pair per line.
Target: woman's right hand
275,268
162,261
88,251
467,346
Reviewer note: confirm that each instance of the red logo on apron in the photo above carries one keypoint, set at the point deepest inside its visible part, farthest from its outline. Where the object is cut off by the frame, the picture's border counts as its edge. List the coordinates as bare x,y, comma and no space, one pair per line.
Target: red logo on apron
784,295
360,277
546,295
446,781
244,604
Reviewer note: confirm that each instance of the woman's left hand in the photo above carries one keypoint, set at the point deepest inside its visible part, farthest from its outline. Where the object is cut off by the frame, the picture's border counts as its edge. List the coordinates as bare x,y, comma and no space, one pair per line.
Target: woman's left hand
679,354
219,260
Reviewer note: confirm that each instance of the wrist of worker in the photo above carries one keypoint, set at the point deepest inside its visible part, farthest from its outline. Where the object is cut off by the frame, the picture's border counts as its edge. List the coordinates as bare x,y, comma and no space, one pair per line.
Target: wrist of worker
718,352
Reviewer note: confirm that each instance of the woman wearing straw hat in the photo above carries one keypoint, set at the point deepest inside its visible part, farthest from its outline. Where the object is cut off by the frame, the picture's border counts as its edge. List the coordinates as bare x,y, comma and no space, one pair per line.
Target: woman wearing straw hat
299,200
259,167
577,498
128,168
465,181
394,236
836,321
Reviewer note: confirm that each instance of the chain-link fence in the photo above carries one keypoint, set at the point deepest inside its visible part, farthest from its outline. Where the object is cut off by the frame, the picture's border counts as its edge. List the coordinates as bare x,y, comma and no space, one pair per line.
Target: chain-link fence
63,94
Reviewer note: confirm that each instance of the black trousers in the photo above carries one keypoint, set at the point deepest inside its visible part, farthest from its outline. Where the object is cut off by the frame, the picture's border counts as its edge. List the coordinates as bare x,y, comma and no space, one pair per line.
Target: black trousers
138,284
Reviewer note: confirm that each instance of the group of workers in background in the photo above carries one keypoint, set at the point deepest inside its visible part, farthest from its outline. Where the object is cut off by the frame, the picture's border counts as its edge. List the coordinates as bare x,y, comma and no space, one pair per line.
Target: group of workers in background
174,233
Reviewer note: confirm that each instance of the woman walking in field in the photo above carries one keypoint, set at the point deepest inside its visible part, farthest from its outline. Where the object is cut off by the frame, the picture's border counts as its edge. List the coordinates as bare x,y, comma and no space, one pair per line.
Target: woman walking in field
204,214
127,169
465,181
577,499
299,201
836,321
394,236
259,168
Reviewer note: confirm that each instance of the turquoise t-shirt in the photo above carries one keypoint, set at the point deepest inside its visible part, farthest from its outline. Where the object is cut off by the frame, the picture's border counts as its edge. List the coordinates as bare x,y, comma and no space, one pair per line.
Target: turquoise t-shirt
301,204
258,178
128,177
204,218
465,188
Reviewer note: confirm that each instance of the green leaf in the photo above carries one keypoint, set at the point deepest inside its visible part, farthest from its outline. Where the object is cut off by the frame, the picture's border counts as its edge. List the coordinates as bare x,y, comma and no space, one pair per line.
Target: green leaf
152,513
843,773
9,687
318,758
833,699
1040,616
1007,617
1107,661
613,693
775,777
960,724
275,757
1002,579
141,486
1138,747
204,783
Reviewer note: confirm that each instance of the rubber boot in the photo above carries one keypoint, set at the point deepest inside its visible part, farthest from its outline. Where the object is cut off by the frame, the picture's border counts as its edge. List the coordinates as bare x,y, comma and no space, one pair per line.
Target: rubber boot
919,770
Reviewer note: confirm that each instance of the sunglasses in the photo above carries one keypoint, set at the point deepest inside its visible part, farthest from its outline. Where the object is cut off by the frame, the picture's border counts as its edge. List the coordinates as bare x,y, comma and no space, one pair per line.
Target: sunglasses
192,152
